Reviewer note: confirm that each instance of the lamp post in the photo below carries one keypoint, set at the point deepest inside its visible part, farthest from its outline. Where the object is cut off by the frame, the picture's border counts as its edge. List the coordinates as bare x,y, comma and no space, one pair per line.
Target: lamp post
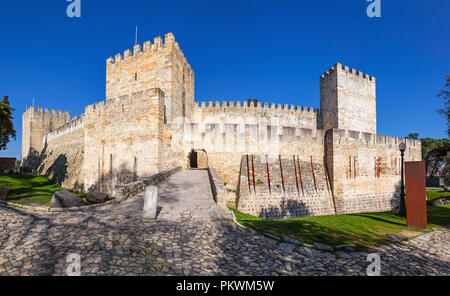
402,206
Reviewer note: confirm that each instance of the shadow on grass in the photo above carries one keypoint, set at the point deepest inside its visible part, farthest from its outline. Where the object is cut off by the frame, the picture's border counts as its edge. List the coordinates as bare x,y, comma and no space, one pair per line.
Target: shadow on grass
378,217
29,188
362,230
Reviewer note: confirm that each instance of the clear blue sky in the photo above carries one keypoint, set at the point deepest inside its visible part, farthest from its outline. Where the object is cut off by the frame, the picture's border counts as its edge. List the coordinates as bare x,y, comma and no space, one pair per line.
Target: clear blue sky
271,50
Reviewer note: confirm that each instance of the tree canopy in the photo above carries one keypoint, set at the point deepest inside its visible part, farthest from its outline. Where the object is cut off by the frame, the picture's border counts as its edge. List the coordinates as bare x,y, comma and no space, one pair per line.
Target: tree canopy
414,136
6,126
445,94
434,153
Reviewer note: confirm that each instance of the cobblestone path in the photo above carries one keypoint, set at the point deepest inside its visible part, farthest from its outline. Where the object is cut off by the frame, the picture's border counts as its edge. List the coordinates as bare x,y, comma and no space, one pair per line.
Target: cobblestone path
191,236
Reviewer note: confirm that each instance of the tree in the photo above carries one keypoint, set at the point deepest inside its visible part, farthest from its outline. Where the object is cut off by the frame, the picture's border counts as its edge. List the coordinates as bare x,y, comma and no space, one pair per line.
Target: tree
434,153
446,172
445,94
255,102
414,136
6,126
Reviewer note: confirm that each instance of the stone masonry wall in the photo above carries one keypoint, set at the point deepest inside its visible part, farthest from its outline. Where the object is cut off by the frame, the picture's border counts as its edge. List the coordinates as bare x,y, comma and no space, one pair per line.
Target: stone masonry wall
123,140
158,65
225,143
62,157
348,100
284,187
365,169
283,115
35,125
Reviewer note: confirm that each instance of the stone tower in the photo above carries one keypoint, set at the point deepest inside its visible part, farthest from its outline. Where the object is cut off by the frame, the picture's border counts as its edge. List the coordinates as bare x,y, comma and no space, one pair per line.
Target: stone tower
35,125
158,65
348,100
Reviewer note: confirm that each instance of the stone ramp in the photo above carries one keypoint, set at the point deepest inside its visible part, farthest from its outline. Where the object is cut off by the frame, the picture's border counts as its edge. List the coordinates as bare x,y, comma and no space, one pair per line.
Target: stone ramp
284,187
186,195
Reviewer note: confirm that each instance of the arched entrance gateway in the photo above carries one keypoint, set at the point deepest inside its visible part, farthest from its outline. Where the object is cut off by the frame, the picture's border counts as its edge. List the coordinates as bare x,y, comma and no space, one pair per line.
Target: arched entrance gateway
198,159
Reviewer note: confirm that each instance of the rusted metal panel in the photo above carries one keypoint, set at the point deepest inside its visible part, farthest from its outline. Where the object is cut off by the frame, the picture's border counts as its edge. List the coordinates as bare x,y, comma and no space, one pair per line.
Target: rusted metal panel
416,200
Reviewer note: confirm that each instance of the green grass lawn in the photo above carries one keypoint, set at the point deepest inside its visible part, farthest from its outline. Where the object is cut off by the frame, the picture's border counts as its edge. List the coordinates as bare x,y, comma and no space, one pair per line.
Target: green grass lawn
437,193
30,189
365,230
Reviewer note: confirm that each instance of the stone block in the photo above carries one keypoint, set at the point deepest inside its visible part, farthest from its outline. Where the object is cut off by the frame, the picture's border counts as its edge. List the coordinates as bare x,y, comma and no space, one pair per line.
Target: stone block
150,202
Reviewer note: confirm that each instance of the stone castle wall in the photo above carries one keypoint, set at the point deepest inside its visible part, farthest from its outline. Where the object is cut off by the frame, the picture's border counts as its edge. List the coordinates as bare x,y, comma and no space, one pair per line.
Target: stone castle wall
285,115
348,100
35,125
365,169
325,162
111,143
284,187
62,157
158,65
122,140
224,143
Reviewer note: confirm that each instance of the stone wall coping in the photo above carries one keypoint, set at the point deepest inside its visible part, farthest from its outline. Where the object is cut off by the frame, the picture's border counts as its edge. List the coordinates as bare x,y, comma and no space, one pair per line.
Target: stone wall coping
376,139
124,192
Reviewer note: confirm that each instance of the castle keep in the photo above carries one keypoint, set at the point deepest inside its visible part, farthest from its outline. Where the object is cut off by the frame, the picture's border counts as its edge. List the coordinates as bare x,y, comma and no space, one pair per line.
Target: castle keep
283,160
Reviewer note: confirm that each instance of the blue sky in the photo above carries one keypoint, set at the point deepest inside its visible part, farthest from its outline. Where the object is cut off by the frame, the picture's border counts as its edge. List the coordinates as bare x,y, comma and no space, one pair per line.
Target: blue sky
271,50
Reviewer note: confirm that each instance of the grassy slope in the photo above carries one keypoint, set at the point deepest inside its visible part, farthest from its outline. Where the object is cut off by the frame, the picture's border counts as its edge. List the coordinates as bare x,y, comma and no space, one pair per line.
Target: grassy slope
30,189
363,230
434,194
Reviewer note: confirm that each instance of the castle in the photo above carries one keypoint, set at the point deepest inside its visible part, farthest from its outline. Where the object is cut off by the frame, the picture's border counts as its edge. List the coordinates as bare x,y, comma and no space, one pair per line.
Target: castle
283,161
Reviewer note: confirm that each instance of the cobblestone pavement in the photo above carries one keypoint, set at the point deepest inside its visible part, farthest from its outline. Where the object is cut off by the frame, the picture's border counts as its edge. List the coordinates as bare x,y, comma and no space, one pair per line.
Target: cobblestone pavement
114,240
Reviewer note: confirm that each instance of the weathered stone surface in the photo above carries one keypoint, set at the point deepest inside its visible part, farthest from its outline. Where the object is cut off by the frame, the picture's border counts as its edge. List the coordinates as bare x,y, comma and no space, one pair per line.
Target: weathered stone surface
343,255
440,201
123,192
281,196
285,247
150,202
66,199
324,247
97,197
291,240
394,237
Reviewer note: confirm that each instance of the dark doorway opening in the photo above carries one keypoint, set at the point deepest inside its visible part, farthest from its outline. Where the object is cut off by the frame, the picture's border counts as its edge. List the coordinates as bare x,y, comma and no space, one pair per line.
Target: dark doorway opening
193,159
198,159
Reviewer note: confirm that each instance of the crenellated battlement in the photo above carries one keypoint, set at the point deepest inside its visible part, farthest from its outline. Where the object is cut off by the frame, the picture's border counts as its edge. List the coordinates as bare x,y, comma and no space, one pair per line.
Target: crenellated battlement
47,111
348,71
107,104
238,106
372,139
148,49
158,64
